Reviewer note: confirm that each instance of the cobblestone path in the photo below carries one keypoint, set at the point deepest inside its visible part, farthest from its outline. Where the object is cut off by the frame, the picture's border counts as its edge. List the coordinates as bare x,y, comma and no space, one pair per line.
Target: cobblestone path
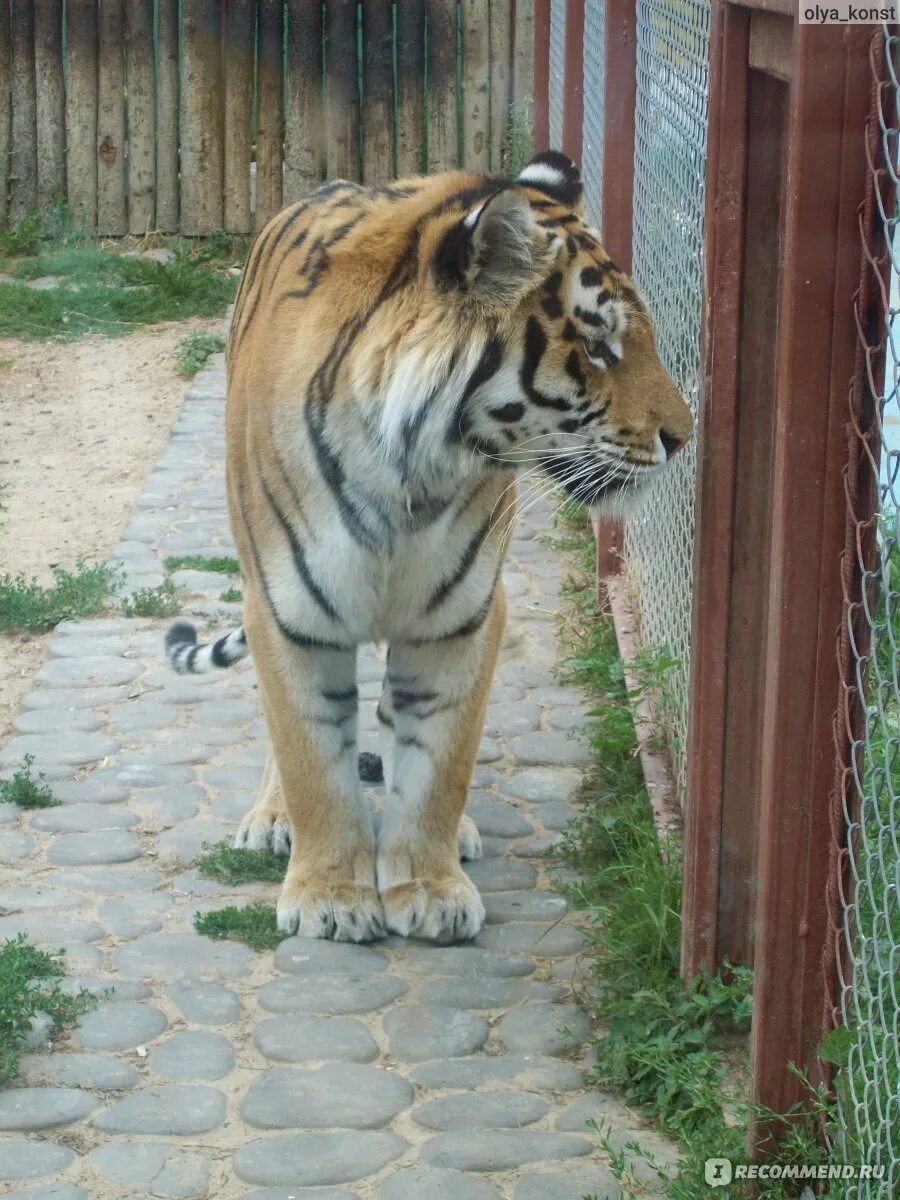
324,1072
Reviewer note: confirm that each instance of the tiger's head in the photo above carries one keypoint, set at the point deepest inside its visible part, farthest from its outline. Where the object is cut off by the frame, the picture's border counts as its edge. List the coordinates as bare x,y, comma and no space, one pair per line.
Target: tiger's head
561,366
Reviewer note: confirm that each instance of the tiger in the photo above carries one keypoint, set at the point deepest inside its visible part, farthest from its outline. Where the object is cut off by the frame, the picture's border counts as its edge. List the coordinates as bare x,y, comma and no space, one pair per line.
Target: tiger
398,355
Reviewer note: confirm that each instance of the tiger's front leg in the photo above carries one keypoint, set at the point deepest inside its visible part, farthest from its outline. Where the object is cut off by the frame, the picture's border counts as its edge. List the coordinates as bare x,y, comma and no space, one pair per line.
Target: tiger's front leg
310,700
439,695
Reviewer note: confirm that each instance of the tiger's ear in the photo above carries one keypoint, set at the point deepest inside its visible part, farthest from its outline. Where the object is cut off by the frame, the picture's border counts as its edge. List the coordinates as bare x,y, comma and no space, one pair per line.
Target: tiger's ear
491,254
557,176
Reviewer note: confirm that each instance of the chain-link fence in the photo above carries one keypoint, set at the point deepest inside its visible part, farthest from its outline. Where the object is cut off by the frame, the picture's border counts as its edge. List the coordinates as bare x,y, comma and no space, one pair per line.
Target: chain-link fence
868,726
669,191
594,71
557,70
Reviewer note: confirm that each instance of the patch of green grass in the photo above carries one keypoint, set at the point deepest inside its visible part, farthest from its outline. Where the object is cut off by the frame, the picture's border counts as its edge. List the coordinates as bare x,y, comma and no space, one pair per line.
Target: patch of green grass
678,1053
161,601
223,565
193,350
254,925
519,146
29,985
104,291
228,865
26,604
23,236
232,595
26,791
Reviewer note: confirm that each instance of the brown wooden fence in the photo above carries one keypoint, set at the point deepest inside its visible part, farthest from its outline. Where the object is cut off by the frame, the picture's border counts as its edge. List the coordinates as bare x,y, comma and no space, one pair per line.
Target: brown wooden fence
200,115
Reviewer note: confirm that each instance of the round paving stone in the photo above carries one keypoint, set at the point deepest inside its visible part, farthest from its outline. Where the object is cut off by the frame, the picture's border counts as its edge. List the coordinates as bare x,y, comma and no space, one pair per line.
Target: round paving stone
206,1003
530,1073
232,806
523,906
574,1183
335,1096
601,1107
119,1025
488,1110
540,941
424,1183
169,956
540,785
27,1108
498,818
137,717
46,931
338,995
95,671
89,791
307,1159
225,712
500,874
74,697
117,882
193,1054
70,1069
15,845
131,916
175,1108
464,960
417,1032
40,898
21,1159
233,779
78,818
544,1028
514,717
288,1193
312,956
48,1191
557,817
167,1170
90,646
51,720
71,747
488,993
315,1039
124,989
83,849
538,847
183,843
501,1150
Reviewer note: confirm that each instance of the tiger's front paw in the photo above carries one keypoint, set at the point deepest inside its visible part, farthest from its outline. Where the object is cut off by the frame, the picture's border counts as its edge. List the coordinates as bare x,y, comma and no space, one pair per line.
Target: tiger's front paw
341,912
441,910
264,829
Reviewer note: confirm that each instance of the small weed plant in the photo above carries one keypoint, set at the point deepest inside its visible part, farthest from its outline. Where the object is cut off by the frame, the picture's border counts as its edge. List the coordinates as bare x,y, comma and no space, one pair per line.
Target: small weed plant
232,595
29,985
161,601
234,867
26,604
25,790
254,924
193,350
221,564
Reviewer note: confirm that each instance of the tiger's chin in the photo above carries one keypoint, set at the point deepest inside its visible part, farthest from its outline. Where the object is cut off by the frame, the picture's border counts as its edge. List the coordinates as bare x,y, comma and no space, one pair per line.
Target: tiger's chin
601,494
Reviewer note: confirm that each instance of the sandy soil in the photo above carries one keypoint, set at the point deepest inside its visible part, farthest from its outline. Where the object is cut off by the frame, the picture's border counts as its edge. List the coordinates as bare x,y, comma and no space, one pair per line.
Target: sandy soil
81,426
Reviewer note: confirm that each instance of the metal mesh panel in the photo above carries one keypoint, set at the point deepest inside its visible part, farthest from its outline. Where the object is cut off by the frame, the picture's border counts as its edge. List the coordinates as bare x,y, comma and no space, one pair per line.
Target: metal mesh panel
557,70
868,809
594,70
670,161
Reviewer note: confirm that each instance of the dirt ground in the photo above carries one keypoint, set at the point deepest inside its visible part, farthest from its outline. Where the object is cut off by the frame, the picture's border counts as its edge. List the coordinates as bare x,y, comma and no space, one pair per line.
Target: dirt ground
81,426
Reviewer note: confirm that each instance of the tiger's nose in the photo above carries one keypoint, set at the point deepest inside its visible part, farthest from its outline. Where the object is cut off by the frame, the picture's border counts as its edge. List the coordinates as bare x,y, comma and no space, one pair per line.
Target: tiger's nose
672,441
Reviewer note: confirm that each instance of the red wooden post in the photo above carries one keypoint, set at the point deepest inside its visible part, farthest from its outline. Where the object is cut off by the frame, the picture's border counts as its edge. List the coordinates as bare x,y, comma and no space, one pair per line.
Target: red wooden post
573,85
619,98
541,74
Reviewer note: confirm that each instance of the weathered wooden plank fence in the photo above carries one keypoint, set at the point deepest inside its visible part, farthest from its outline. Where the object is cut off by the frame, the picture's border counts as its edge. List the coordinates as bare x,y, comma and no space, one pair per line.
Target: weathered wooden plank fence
192,116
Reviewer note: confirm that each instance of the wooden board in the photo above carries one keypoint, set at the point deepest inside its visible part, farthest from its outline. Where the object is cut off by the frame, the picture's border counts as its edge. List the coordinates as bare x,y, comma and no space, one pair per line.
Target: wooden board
443,117
167,186
476,116
269,112
378,92
112,214
5,107
51,148
238,101
23,159
410,87
501,50
141,115
523,55
342,159
304,149
200,118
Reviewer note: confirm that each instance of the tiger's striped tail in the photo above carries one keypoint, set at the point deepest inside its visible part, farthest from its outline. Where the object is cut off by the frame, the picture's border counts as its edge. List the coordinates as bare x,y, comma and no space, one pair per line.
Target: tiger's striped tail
188,657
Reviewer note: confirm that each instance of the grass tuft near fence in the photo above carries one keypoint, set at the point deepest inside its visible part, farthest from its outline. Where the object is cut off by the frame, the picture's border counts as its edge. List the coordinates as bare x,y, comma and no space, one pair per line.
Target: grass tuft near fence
26,604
